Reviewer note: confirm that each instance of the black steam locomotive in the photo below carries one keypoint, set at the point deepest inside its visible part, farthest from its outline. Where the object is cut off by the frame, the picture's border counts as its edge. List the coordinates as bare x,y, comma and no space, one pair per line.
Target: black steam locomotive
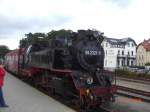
77,51
71,66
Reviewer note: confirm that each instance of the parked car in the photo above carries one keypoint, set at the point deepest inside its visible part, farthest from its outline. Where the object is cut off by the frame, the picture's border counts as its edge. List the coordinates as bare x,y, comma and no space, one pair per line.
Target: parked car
142,71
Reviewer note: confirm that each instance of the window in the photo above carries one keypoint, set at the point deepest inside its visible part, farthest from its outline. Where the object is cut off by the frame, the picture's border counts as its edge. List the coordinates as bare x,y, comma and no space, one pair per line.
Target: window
118,62
131,63
105,62
122,62
122,52
132,53
128,44
118,52
128,53
127,62
132,45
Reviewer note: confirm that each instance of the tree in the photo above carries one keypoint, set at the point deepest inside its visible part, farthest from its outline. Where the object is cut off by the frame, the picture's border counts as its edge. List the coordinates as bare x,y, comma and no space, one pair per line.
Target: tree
31,38
54,33
3,50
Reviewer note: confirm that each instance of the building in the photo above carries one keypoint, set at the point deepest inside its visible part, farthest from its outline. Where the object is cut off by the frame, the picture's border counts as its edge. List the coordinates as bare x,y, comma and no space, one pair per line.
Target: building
119,52
143,53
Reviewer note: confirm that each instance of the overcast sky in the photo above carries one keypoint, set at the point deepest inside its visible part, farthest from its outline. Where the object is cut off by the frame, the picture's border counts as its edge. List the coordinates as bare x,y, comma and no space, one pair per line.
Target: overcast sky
116,18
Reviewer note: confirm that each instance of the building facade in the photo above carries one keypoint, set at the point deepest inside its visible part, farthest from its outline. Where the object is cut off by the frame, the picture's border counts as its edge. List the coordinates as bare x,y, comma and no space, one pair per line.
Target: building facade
119,53
143,53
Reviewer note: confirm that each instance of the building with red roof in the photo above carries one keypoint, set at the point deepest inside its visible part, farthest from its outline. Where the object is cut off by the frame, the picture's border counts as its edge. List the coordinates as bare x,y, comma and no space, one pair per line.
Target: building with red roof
143,53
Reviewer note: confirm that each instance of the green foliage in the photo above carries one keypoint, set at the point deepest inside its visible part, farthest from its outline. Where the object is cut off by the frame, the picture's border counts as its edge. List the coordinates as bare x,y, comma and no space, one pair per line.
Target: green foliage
54,33
123,72
3,50
129,74
32,38
147,64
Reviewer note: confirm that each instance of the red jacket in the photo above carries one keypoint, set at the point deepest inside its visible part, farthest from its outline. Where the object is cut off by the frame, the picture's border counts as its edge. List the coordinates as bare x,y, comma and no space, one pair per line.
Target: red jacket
2,74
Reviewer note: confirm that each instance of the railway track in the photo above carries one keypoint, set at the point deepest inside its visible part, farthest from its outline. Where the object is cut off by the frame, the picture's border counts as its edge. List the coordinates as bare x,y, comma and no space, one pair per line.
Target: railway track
143,81
130,92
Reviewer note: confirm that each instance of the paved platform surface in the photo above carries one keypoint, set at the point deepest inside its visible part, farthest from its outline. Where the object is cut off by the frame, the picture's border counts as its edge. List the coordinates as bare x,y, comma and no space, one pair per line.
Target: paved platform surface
22,98
135,85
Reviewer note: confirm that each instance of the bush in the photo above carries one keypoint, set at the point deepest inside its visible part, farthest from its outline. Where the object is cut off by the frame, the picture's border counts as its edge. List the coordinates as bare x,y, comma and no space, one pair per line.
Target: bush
130,74
147,64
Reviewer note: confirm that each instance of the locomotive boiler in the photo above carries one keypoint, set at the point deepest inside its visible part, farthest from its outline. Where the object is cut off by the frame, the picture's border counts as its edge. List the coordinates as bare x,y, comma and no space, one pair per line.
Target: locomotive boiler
69,65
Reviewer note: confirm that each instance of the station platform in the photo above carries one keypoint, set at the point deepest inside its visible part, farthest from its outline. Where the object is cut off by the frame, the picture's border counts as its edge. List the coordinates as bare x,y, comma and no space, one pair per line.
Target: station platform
23,98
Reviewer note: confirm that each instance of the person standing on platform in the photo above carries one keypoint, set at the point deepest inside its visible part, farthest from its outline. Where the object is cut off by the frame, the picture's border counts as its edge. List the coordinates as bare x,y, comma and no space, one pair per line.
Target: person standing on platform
2,74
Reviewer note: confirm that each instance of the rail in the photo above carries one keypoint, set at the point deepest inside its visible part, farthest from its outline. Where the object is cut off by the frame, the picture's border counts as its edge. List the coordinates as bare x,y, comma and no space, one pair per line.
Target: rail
142,81
140,92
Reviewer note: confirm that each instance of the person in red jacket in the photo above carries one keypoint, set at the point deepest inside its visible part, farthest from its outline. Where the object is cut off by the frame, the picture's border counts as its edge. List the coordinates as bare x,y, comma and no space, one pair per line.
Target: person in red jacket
2,74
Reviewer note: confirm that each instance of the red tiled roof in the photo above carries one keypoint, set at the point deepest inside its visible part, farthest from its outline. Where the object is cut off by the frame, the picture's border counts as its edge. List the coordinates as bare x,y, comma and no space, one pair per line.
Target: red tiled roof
146,44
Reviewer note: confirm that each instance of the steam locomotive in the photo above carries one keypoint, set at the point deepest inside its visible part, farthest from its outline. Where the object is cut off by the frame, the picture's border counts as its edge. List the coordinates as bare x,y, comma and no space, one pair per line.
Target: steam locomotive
70,66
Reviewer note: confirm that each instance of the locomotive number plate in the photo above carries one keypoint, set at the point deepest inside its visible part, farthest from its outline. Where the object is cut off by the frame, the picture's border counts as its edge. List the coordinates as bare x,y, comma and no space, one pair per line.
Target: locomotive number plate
92,52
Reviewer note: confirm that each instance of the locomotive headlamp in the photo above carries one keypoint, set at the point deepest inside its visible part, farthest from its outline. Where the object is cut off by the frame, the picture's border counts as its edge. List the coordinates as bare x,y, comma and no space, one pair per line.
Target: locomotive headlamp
89,80
87,91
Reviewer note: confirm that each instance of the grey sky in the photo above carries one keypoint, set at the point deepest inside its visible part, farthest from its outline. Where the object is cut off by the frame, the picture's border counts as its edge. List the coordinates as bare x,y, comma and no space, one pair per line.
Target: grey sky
116,18
13,24
120,3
